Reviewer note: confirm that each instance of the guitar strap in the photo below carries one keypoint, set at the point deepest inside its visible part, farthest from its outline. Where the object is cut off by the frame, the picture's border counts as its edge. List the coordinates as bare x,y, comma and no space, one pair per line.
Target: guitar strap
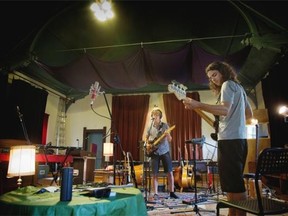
160,129
214,135
217,118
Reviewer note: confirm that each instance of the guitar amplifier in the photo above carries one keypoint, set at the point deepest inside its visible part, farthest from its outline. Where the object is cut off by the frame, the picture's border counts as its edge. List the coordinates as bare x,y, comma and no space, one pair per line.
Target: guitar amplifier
85,167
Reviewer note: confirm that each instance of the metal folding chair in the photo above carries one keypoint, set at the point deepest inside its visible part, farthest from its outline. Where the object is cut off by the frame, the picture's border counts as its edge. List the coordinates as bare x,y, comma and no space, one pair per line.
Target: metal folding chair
271,161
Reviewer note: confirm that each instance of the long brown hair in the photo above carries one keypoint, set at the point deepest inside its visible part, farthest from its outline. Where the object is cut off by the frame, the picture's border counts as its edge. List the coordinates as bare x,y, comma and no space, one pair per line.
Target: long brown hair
227,72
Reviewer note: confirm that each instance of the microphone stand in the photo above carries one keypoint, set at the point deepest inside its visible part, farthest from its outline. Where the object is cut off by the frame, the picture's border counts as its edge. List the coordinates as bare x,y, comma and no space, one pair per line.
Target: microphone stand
23,126
25,133
195,142
196,209
116,140
145,164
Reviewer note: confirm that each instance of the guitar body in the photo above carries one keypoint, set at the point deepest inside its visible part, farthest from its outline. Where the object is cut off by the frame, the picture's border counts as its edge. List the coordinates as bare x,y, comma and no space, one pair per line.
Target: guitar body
151,147
186,177
177,173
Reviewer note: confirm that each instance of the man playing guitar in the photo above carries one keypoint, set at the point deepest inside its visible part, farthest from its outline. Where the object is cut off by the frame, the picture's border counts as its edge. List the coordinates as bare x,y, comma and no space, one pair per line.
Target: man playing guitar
161,153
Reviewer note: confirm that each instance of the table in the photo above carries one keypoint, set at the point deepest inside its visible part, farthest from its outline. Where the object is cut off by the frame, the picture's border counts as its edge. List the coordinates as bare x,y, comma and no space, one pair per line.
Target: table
8,184
41,158
128,201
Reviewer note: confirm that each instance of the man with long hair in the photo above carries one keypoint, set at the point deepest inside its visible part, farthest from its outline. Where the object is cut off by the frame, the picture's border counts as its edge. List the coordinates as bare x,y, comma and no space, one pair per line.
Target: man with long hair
233,109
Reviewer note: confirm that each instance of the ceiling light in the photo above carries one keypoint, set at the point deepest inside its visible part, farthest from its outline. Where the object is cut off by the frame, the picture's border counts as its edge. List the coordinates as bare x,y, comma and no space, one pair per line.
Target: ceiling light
102,9
283,110
254,121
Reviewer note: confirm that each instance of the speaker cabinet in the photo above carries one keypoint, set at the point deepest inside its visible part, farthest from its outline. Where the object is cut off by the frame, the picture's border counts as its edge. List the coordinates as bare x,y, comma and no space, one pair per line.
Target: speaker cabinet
83,169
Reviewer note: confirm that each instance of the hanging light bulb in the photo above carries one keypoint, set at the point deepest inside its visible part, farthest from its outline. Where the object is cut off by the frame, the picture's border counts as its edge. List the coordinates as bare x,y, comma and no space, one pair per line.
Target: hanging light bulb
283,110
102,10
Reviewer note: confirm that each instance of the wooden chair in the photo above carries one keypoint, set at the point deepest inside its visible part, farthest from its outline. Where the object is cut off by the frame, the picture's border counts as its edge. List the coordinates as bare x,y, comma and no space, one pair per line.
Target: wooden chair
271,161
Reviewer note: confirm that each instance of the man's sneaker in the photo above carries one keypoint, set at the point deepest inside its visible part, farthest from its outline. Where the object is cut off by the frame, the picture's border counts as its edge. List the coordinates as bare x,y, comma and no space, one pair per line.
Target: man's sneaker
173,195
156,197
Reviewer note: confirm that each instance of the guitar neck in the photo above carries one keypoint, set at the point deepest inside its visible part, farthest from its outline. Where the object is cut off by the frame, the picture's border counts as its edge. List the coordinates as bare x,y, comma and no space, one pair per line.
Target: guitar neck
186,155
179,91
205,117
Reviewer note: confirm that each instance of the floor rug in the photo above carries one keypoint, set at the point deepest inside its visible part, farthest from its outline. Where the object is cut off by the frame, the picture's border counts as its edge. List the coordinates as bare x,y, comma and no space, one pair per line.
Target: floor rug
204,204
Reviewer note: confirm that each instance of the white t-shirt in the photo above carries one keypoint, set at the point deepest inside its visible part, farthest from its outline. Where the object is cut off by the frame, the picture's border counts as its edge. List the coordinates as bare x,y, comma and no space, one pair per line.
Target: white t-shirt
232,126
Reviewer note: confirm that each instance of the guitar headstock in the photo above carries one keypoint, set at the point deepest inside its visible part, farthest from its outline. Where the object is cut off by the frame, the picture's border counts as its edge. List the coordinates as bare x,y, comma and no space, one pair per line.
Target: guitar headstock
178,89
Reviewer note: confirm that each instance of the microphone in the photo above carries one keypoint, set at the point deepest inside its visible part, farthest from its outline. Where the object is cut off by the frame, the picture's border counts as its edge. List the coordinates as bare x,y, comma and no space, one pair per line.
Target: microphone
45,146
95,91
19,113
196,140
77,140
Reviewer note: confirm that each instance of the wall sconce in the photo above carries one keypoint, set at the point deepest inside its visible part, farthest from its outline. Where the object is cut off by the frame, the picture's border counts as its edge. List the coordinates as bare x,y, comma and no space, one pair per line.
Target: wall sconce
283,110
102,10
21,162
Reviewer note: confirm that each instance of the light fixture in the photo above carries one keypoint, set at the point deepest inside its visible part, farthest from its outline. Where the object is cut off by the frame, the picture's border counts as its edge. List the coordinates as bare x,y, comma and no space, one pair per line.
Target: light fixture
21,162
254,121
283,110
102,9
108,149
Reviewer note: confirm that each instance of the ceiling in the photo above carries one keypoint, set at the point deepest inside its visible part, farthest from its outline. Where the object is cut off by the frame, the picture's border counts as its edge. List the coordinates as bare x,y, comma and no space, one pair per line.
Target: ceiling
145,46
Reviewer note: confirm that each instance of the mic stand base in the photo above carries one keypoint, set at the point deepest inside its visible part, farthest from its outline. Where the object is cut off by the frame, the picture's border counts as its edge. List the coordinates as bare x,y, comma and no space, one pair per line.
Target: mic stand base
196,209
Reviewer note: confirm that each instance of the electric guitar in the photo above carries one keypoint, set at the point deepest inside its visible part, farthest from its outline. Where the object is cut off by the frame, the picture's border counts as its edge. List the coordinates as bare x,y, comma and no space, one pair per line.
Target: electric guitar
179,91
153,146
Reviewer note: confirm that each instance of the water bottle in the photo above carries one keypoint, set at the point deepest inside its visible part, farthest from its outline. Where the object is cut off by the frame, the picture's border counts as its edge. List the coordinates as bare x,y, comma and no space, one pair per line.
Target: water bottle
66,184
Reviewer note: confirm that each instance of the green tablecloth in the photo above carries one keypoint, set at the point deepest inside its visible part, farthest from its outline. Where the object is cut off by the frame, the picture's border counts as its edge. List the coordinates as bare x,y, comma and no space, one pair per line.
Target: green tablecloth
127,202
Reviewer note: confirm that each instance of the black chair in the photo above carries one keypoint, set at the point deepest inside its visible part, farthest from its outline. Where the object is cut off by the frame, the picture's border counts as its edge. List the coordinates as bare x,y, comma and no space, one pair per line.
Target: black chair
271,161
